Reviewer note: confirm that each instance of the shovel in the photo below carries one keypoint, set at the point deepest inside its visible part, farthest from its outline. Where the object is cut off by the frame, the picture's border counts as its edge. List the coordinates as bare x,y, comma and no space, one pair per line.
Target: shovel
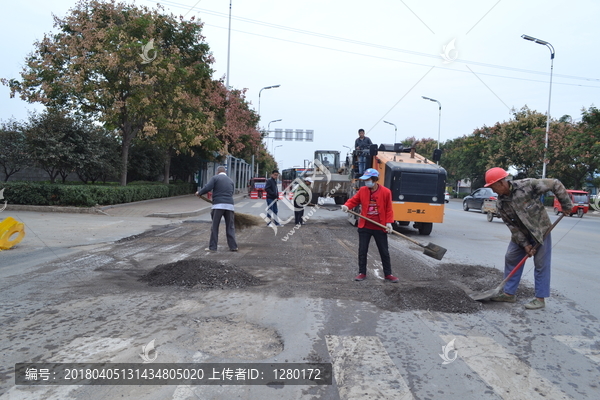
431,250
495,292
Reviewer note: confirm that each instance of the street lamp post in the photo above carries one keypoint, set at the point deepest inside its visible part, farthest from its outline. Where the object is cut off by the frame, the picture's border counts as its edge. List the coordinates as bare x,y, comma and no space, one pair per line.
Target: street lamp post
228,46
269,125
395,130
269,131
275,150
551,48
266,87
440,118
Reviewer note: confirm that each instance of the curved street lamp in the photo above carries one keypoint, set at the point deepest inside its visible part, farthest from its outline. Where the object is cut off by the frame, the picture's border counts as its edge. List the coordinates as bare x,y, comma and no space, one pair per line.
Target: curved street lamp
551,48
395,130
266,87
269,125
440,118
275,150
269,130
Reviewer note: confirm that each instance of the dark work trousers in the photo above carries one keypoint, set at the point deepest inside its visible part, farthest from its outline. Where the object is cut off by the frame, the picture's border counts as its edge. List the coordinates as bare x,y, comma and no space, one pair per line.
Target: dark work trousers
272,211
364,238
229,228
298,214
362,160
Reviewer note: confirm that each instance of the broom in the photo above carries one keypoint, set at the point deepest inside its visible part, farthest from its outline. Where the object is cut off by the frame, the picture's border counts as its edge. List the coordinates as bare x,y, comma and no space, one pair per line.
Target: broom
241,220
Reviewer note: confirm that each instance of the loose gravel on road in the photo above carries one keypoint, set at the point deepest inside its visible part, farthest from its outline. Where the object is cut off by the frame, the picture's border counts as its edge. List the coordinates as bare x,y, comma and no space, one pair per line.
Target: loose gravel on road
319,261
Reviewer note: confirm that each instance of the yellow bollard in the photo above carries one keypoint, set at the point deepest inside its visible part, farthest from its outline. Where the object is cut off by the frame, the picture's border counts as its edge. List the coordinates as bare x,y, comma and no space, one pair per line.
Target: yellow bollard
8,228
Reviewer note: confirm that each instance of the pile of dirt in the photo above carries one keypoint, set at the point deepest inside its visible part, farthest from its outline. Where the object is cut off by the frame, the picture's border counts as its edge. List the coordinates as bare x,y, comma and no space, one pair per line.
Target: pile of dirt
478,278
433,297
206,273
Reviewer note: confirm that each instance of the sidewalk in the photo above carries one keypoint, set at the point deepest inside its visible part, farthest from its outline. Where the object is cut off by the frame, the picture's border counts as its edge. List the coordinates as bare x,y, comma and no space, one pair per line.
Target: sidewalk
170,207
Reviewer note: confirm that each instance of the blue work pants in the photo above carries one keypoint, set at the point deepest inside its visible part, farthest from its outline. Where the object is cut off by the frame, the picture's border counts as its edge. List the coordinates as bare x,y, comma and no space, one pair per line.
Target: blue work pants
541,260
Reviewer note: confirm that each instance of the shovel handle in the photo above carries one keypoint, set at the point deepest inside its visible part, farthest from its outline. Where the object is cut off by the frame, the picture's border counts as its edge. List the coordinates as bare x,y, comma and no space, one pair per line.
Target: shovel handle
384,227
537,245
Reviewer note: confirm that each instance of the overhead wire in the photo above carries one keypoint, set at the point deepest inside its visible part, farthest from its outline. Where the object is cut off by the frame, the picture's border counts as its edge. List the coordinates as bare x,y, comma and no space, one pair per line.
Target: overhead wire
376,46
401,61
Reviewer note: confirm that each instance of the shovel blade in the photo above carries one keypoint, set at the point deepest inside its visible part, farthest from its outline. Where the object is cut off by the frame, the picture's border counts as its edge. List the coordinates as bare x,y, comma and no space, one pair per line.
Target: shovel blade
434,251
487,294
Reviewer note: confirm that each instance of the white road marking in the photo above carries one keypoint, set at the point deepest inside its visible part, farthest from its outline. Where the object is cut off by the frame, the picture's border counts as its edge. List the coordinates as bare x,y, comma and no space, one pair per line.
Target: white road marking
242,204
169,231
378,268
259,204
582,345
505,373
364,370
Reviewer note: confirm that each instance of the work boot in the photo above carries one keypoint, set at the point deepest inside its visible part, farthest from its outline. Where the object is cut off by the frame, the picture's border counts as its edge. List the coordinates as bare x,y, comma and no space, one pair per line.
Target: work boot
391,278
535,304
505,297
360,277
209,249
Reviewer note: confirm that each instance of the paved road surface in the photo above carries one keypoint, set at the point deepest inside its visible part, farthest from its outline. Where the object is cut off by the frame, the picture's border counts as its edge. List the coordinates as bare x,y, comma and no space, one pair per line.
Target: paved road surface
89,306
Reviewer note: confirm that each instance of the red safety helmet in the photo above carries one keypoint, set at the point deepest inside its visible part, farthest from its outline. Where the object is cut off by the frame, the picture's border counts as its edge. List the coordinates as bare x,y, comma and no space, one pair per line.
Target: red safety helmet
494,175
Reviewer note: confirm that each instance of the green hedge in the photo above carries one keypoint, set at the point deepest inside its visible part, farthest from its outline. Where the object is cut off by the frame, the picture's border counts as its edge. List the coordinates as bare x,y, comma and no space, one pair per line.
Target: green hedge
45,194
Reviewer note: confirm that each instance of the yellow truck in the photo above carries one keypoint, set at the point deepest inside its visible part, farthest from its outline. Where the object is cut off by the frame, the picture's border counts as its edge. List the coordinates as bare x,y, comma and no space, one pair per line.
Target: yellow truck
418,184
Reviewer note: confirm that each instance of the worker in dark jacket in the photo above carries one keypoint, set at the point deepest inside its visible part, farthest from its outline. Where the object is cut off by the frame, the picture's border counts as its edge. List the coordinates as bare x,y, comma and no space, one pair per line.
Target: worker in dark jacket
362,143
376,204
520,208
272,197
222,188
301,198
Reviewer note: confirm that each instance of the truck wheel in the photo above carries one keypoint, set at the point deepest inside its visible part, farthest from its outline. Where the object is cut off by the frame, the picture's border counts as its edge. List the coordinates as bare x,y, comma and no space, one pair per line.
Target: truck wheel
339,199
425,228
580,213
490,217
315,198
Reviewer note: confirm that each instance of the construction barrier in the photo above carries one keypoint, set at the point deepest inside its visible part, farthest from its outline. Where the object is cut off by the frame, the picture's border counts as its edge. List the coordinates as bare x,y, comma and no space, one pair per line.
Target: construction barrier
289,196
9,228
256,195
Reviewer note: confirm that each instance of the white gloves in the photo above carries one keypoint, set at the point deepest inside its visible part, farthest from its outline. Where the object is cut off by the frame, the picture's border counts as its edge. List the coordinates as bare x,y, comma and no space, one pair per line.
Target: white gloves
388,228
344,208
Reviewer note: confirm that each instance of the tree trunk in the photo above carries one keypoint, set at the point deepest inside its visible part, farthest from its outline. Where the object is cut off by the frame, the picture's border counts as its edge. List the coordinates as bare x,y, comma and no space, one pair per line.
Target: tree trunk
167,171
124,156
128,134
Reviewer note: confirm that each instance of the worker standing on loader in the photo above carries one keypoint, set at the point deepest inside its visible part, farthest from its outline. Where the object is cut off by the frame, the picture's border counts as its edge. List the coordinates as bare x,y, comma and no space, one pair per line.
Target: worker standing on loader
520,208
376,204
362,143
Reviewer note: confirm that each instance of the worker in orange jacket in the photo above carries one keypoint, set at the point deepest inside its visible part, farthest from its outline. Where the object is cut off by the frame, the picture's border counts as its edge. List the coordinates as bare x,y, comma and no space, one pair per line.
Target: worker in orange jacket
376,204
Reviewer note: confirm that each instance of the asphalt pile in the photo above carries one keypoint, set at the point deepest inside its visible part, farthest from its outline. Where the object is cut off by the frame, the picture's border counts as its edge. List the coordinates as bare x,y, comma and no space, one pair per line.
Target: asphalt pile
196,272
478,278
433,297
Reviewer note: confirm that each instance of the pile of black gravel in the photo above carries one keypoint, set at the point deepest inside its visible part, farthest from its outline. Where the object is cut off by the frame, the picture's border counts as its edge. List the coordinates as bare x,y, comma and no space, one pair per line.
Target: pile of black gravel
479,278
207,274
434,297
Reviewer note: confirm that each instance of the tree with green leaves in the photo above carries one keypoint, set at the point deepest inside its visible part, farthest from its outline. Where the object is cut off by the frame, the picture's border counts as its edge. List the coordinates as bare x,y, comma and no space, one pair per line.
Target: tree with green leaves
51,138
103,62
14,152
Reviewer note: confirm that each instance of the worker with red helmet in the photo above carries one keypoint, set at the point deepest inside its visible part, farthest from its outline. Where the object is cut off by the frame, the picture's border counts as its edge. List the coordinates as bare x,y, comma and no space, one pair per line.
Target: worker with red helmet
521,209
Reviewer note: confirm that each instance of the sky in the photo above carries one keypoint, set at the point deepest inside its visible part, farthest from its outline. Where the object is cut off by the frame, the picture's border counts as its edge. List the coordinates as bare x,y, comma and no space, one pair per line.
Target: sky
349,64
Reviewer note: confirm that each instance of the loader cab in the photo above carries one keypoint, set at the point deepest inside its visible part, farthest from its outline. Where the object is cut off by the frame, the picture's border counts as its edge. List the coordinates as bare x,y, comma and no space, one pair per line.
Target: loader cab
329,158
